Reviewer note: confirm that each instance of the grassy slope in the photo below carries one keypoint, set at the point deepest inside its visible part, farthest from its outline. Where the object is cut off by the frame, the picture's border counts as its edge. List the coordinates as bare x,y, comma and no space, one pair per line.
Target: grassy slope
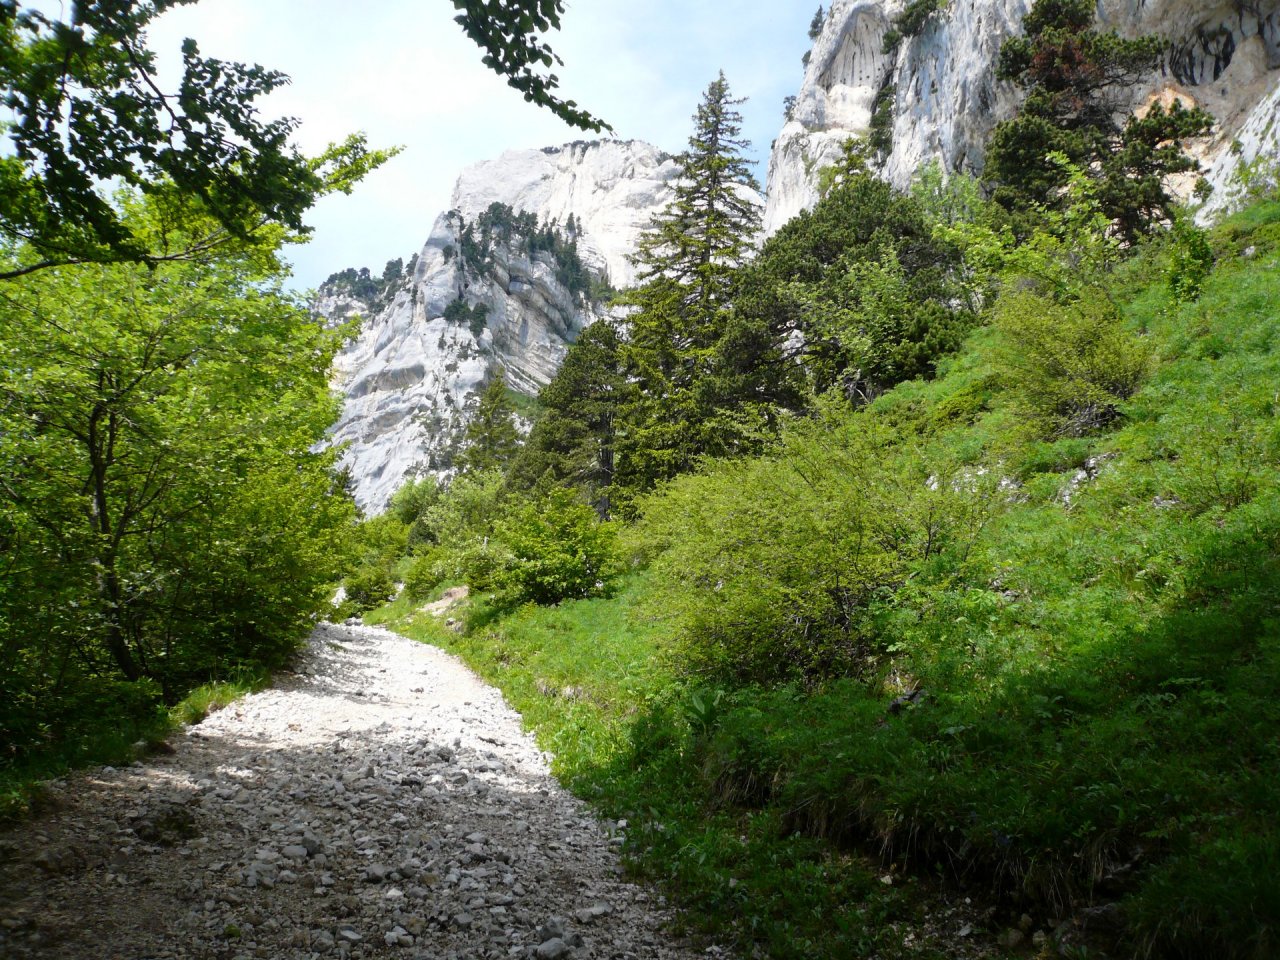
590,679
1100,722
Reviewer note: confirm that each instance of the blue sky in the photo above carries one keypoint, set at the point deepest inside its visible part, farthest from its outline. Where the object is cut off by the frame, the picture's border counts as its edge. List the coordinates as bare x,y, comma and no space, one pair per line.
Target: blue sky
402,71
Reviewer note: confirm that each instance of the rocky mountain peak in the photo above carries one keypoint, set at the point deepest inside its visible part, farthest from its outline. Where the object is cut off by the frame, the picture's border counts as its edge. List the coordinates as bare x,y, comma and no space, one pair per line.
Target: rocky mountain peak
509,275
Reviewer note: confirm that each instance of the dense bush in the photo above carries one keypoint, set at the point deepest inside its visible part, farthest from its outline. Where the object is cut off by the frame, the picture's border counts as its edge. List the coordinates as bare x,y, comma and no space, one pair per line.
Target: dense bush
164,518
368,588
1069,367
859,289
559,551
772,567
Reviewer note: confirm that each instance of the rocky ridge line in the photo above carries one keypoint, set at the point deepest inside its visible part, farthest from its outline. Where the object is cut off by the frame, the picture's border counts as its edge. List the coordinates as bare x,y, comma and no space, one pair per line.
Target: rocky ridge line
412,377
943,100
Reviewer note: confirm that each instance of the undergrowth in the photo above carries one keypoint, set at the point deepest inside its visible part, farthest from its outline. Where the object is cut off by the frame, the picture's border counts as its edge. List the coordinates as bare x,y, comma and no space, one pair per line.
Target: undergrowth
113,724
629,734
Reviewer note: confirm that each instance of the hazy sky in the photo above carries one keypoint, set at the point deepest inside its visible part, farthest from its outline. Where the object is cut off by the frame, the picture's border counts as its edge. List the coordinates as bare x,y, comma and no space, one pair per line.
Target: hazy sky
404,73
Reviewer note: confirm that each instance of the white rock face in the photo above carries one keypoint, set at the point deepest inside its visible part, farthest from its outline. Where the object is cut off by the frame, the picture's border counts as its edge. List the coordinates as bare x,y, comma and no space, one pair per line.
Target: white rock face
1256,142
1225,57
613,188
411,377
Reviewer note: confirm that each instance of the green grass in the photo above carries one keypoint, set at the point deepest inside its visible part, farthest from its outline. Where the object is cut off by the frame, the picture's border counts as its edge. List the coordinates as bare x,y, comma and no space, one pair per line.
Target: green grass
398,609
577,672
210,697
626,732
524,405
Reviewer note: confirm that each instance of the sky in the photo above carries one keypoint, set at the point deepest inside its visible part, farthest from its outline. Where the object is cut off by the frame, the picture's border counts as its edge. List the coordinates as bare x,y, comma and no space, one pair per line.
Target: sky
402,72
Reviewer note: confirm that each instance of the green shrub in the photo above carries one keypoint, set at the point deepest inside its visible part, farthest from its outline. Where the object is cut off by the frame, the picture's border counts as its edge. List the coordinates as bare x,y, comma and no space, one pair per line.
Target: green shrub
772,566
1190,261
481,564
559,551
467,509
369,587
423,573
1069,367
412,500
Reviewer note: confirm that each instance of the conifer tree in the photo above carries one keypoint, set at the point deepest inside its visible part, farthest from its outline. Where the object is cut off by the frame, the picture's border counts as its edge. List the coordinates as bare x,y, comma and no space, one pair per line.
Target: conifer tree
1077,80
687,262
491,440
817,23
572,444
706,231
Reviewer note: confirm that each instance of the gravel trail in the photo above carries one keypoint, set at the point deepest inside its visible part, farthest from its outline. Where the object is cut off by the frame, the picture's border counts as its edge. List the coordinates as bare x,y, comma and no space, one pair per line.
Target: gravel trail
380,802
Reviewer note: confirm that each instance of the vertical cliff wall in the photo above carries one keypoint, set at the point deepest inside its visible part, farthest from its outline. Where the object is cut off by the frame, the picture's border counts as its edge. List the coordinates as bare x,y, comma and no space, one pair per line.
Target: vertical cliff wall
942,99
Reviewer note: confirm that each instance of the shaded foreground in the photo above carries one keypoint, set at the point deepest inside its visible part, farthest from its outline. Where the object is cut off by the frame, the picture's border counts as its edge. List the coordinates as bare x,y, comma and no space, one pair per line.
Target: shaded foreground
380,802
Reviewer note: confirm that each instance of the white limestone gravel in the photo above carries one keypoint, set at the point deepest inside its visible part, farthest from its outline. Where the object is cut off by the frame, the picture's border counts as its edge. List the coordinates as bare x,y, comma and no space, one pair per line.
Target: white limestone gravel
379,802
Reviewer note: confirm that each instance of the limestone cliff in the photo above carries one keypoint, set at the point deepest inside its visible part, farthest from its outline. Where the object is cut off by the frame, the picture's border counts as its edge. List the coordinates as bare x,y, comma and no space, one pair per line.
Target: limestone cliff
941,98
496,288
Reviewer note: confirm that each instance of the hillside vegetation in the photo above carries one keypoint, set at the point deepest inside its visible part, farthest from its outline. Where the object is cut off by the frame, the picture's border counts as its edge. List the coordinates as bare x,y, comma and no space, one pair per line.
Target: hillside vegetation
955,631
1012,628
908,582
929,551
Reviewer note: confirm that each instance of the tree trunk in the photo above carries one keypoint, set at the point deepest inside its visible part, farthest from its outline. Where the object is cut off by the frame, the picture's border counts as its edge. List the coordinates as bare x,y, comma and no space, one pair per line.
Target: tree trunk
101,451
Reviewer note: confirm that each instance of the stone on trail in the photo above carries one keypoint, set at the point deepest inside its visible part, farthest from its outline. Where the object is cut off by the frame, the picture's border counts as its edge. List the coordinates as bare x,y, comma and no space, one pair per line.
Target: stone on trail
552,949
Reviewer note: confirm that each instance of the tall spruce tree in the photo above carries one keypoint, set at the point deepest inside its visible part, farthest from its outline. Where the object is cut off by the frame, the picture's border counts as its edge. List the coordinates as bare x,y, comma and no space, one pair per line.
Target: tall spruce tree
1077,81
687,262
491,440
572,444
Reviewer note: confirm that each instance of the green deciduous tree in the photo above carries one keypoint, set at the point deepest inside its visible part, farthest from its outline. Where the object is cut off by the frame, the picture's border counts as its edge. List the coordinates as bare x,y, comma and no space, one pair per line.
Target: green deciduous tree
87,110
162,511
507,31
1077,81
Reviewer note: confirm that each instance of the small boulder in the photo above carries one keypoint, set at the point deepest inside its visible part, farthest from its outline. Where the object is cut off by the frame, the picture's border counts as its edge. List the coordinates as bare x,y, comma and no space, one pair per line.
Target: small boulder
552,949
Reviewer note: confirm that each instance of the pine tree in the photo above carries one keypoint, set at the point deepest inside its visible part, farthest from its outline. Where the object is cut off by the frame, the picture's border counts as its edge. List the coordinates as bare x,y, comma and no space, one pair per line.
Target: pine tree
687,262
491,440
817,23
572,444
1077,80
706,231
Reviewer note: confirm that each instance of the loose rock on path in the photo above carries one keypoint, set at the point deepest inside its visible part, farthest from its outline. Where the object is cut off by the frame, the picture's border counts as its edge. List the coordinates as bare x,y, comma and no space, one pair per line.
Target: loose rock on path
381,802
